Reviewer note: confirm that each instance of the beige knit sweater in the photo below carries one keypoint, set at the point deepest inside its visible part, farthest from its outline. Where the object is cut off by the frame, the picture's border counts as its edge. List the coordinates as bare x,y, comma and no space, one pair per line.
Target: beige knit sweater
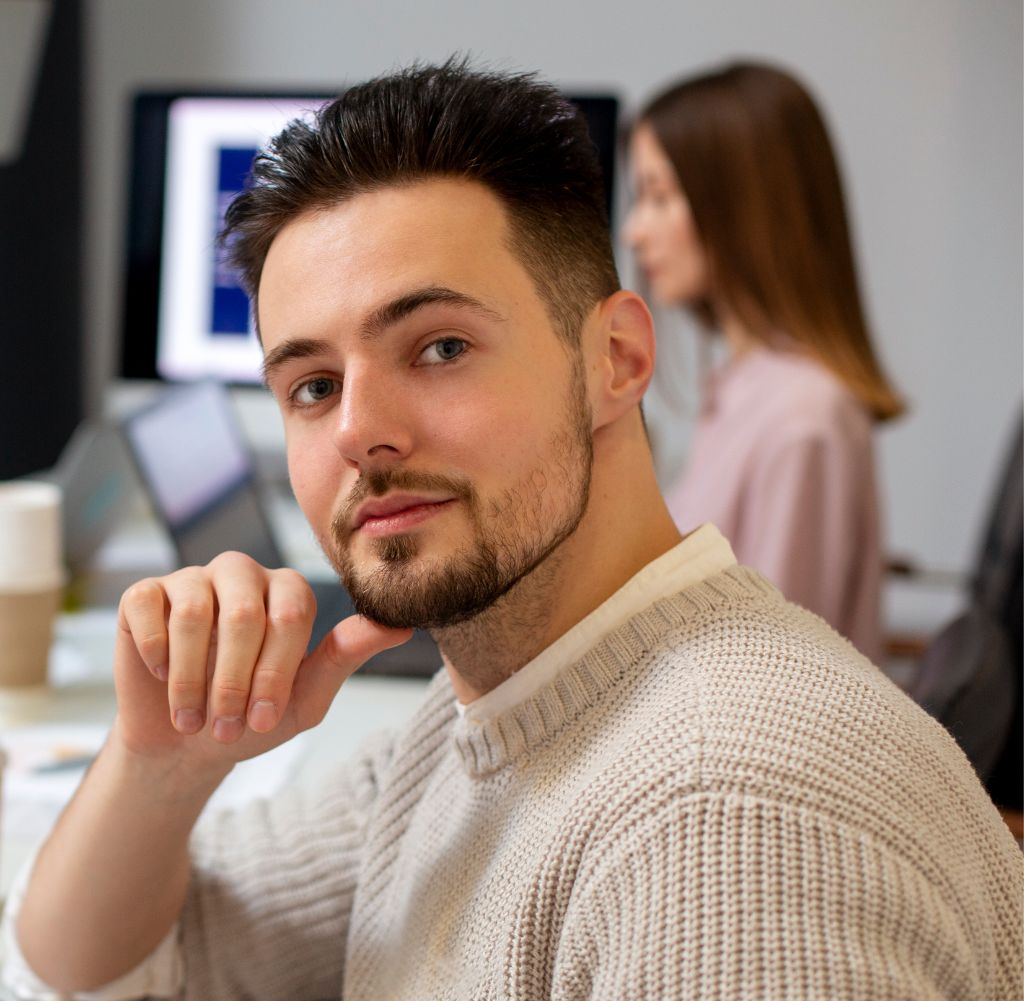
721,800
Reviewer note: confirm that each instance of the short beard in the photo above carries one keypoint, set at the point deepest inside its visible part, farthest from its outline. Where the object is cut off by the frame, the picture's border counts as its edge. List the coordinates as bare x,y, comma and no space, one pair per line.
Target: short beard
399,594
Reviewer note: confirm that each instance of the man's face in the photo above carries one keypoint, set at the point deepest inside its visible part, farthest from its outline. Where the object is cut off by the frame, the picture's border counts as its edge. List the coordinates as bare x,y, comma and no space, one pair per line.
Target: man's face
439,431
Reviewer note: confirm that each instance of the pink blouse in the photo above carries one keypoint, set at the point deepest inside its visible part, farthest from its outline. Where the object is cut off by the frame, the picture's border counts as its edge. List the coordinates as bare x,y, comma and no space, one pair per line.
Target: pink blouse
782,462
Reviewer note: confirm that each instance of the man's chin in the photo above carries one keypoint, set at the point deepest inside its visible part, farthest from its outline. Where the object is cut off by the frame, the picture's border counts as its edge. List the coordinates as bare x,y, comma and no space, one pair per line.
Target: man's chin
411,595
405,615
405,611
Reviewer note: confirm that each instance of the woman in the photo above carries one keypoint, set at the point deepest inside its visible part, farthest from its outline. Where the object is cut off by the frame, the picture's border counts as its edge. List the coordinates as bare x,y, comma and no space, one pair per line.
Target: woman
739,217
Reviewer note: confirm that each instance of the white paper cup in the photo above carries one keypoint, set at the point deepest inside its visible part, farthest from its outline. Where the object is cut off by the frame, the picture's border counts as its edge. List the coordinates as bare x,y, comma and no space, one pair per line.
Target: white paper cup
31,546
32,577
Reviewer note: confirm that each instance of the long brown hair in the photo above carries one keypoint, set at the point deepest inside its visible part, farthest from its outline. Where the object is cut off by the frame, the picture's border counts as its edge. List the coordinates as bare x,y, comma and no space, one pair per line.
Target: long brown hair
755,162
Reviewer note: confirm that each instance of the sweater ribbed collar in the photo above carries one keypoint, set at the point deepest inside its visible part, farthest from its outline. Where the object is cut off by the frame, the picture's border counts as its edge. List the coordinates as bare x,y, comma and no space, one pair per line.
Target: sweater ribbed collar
701,554
488,746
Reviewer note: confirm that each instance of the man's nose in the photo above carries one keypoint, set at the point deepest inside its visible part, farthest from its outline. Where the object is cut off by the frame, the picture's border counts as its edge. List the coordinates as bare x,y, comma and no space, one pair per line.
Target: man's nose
373,423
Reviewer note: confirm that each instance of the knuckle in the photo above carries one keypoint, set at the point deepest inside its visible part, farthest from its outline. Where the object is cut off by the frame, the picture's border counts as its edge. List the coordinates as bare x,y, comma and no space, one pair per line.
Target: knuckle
230,691
192,611
243,613
151,646
183,690
290,615
191,576
142,592
291,580
232,558
273,676
290,575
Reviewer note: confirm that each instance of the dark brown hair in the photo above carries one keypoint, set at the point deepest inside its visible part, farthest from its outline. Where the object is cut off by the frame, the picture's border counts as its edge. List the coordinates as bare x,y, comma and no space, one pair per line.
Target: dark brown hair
755,162
510,132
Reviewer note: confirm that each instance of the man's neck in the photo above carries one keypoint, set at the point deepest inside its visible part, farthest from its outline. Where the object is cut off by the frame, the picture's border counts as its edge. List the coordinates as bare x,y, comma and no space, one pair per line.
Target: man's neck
626,527
481,653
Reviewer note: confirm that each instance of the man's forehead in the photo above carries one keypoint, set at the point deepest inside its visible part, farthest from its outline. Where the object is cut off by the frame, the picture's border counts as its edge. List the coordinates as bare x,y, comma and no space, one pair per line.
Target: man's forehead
439,214
377,245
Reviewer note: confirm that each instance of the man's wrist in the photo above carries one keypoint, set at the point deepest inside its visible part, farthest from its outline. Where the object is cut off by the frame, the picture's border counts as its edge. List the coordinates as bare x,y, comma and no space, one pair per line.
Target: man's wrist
172,777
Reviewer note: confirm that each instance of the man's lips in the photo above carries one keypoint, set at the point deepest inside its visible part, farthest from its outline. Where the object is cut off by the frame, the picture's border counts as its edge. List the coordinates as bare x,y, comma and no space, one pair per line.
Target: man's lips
396,512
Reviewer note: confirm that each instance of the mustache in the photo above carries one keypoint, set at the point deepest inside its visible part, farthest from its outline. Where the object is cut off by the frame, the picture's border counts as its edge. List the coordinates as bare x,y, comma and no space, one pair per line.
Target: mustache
379,482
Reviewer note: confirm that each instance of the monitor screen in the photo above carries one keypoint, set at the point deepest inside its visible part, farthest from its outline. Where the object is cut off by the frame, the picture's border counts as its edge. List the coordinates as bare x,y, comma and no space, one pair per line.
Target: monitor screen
185,315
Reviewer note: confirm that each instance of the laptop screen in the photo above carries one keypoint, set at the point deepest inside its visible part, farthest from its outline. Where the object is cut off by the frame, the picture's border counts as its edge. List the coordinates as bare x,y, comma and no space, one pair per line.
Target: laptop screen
189,451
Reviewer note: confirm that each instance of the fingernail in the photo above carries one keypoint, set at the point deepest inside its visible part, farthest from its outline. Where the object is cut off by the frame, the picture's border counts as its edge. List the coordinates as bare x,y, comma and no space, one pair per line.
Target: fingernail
188,721
160,672
227,728
262,715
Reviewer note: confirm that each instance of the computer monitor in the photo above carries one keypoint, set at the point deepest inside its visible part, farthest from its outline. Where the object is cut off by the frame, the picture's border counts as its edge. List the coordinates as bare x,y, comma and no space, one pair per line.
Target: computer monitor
185,316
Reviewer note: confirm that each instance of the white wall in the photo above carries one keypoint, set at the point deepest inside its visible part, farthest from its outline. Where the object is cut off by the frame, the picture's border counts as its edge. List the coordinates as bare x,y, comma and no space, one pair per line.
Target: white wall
924,97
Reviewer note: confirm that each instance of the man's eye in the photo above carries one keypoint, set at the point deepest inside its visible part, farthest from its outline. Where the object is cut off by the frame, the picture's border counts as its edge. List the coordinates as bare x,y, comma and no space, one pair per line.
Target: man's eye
313,391
446,349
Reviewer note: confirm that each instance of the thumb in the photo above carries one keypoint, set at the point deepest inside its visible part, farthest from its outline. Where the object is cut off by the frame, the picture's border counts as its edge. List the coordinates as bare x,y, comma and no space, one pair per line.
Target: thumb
345,649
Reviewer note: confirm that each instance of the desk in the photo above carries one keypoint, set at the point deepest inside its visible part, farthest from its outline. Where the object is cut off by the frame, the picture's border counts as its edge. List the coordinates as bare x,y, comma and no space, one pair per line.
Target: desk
82,692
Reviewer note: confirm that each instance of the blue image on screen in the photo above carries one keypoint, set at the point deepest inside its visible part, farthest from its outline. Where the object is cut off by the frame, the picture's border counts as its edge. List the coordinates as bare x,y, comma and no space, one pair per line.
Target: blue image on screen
230,305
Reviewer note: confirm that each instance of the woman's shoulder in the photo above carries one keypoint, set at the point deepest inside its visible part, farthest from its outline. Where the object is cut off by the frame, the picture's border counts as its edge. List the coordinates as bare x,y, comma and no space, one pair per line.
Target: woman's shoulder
803,395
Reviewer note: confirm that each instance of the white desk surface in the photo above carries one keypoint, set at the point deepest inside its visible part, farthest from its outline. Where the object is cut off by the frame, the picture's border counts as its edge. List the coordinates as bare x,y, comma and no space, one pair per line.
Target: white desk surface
79,705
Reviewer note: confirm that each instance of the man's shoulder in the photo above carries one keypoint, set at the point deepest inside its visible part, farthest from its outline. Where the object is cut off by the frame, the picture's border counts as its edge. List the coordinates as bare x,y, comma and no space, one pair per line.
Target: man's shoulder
758,670
759,698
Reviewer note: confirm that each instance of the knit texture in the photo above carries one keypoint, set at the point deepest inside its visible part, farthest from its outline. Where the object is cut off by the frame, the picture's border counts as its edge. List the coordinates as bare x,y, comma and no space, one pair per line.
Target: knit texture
722,799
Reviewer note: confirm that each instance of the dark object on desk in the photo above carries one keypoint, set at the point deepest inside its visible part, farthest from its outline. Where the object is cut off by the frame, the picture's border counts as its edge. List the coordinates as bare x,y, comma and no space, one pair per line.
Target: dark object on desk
970,676
200,479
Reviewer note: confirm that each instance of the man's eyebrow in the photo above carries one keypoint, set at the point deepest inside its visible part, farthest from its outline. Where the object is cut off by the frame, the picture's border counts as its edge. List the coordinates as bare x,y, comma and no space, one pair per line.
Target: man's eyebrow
405,305
378,321
300,347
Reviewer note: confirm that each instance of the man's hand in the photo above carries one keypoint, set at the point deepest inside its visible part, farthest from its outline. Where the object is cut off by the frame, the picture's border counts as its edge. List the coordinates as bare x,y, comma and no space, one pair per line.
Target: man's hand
210,668
211,661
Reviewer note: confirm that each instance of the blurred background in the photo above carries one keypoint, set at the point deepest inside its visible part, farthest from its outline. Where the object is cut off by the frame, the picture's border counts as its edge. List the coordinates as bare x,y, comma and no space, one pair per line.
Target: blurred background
924,102
923,97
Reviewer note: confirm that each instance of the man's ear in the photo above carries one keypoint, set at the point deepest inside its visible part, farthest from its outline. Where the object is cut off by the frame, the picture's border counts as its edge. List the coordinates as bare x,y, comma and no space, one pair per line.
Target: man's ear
623,356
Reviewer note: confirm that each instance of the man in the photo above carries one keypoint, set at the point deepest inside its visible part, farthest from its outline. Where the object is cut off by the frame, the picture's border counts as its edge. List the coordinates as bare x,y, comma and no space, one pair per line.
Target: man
640,774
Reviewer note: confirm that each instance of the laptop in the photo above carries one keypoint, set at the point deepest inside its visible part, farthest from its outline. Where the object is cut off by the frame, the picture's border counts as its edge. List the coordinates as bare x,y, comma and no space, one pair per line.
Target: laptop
98,487
199,474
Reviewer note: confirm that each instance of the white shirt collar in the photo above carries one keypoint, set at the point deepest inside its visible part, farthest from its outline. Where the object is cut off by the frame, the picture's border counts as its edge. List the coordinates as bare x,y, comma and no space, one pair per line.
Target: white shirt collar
701,554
